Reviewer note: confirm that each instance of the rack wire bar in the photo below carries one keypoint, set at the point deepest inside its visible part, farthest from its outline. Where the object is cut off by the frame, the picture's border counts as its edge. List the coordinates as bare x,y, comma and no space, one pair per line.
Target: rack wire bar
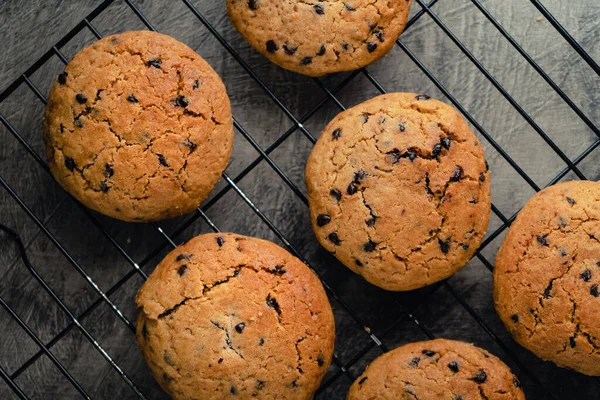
375,339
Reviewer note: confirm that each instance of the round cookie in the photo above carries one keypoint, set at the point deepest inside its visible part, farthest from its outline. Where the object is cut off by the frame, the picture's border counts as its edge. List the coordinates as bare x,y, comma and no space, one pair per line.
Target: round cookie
547,276
228,315
316,38
138,127
437,369
399,190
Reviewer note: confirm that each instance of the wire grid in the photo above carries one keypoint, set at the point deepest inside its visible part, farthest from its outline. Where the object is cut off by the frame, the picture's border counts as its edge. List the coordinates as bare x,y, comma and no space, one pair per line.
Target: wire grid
375,340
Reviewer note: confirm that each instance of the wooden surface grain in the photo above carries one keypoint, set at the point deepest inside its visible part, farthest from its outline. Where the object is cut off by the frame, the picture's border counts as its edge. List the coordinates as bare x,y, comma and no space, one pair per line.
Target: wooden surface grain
28,29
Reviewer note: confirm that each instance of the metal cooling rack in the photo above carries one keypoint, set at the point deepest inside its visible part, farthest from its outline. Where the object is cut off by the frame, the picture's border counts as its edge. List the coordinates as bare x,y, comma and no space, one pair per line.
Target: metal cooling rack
339,369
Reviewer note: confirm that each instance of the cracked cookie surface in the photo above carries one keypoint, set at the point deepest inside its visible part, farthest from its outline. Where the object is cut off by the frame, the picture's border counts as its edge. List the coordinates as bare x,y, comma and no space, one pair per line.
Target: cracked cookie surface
547,276
230,316
321,36
437,369
399,190
138,127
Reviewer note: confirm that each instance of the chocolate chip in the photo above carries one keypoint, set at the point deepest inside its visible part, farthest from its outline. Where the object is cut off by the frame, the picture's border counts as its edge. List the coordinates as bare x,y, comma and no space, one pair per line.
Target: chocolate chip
322,50
379,35
78,122
320,361
108,170
481,177
253,4
371,221
480,377
572,342
81,99
294,383
220,241
336,194
162,160
319,9
190,145
260,385
444,246
261,341
240,327
323,219
131,98
516,382
445,142
594,291
586,275
371,46
232,390
365,118
453,365
515,318
70,163
183,256
345,46
196,84
289,50
62,78
563,252
351,189
437,149
542,240
422,97
402,127
414,362
181,101
362,380
306,61
279,270
181,270
410,154
272,46
220,360
155,62
358,263
465,247
167,378
333,238
547,291
369,246
336,133
457,174
570,200
429,353
349,8
104,187
272,302
359,176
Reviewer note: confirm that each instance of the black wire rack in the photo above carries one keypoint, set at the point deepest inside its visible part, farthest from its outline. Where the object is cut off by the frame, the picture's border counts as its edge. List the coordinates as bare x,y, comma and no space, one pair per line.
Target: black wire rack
346,369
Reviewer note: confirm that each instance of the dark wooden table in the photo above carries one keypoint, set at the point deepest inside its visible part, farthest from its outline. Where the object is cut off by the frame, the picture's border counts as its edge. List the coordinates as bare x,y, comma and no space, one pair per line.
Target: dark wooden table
460,308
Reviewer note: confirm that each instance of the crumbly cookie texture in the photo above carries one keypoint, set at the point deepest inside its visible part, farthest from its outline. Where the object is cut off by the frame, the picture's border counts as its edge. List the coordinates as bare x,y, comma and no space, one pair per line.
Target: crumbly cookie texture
399,190
437,369
547,276
138,127
319,37
230,316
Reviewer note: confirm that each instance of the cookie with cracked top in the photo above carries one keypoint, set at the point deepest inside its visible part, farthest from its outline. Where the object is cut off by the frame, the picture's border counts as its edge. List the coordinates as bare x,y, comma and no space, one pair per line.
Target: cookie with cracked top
437,369
226,315
138,127
547,275
413,185
317,38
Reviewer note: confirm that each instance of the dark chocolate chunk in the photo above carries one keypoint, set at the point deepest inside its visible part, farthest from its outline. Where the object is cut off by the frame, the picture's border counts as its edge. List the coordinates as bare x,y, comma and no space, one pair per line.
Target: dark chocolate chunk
70,163
359,176
410,154
232,390
422,97
272,46
279,269
437,149
320,361
260,385
351,189
349,7
162,160
220,241
458,397
336,194
345,46
445,142
253,4
104,187
319,9
240,327
322,50
479,377
379,35
371,46
402,127
369,246
261,341
444,246
181,270
371,221
542,240
306,61
190,145
572,342
594,291
586,275
81,99
362,380
272,302
358,263
481,177
155,62
78,122
323,219
453,365
132,99
336,133
414,362
515,318
62,78
333,238
183,256
181,101
294,383
196,84
220,360
289,50
457,174
570,200
429,353
108,170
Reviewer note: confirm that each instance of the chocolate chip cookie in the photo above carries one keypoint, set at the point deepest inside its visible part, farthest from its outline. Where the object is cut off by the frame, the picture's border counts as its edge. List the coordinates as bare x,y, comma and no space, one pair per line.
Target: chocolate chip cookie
226,315
437,369
319,37
138,127
399,190
547,276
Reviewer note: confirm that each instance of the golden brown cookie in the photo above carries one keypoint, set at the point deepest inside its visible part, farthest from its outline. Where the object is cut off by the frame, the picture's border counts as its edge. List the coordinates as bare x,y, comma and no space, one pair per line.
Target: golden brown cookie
547,276
437,369
319,37
226,315
138,127
399,190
